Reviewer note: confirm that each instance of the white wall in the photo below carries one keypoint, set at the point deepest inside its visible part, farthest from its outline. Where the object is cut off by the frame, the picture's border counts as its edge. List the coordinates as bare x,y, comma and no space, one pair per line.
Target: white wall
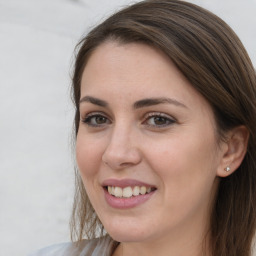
37,38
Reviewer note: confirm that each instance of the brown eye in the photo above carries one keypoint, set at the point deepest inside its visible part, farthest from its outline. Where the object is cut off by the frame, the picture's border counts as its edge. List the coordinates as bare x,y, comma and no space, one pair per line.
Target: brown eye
159,120
100,119
96,120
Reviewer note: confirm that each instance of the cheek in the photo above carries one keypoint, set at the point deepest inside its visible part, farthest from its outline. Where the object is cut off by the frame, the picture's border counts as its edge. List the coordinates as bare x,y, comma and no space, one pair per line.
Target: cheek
88,156
187,176
185,163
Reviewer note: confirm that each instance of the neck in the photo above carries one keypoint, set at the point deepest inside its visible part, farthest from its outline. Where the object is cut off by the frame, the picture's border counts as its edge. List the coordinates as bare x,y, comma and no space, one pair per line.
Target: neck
187,242
159,249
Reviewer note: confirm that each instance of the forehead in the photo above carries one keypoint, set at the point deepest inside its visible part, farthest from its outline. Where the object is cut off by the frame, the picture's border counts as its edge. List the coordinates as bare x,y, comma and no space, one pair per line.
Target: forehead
135,65
136,69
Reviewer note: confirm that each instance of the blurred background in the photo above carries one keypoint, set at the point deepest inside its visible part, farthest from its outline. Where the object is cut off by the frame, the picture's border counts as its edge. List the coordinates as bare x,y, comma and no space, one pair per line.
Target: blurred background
37,40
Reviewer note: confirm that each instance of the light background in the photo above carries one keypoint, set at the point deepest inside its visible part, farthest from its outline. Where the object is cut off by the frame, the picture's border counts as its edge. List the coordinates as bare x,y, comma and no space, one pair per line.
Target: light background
37,38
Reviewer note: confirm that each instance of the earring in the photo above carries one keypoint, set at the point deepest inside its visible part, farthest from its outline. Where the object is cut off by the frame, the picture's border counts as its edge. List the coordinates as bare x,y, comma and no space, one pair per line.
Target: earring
227,169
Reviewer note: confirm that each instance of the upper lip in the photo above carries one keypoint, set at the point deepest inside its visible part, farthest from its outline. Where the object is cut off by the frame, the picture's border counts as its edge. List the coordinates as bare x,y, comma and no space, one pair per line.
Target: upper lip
125,183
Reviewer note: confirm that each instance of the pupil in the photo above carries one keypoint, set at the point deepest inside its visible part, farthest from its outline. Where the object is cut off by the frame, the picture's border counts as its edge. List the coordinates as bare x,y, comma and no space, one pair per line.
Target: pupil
159,120
100,120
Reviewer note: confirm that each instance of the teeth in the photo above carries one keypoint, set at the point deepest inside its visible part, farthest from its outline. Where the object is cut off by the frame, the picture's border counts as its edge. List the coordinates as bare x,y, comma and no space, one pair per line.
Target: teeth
118,192
128,192
136,191
143,190
113,191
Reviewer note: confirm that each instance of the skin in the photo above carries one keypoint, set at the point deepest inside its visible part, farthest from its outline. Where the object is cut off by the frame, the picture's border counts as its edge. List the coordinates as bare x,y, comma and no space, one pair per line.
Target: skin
173,146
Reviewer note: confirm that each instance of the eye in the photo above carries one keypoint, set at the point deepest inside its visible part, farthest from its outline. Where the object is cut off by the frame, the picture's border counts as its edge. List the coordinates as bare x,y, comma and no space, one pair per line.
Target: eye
158,120
95,119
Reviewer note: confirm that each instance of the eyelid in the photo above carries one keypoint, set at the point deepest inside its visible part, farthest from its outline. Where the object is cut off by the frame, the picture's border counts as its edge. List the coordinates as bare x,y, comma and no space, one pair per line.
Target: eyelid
161,114
94,114
149,115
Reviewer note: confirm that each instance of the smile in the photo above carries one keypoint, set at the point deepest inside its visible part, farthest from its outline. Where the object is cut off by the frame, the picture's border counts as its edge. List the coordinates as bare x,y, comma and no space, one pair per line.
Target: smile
128,192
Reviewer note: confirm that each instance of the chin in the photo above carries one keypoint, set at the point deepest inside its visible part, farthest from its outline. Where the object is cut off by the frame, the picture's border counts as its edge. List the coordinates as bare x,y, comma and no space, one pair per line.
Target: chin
126,237
127,233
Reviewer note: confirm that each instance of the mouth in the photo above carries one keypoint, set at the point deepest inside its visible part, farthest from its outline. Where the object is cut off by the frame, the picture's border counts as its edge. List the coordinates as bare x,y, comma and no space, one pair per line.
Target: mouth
129,191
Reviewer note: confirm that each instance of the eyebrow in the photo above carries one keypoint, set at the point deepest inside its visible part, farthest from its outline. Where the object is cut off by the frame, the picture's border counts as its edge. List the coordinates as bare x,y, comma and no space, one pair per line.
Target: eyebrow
156,101
138,104
94,101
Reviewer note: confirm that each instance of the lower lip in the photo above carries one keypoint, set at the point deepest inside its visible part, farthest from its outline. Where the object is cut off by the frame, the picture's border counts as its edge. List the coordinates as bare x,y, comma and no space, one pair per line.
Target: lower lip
125,203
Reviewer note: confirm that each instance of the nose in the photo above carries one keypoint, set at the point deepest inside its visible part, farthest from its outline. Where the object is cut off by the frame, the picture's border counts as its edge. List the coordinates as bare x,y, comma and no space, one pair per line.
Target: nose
122,150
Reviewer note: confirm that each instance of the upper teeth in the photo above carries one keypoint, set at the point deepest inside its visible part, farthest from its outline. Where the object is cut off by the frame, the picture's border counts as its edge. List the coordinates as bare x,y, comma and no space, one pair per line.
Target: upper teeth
128,191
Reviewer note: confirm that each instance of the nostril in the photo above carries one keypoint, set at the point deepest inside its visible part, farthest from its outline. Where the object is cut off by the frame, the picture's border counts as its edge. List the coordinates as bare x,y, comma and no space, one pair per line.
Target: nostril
105,162
125,164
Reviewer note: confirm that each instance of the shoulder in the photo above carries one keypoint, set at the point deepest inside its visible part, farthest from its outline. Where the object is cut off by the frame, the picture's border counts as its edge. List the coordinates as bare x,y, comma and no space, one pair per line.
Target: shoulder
103,246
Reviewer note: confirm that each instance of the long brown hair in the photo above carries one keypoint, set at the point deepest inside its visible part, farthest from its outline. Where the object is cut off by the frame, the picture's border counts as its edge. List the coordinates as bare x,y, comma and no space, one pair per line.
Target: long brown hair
210,55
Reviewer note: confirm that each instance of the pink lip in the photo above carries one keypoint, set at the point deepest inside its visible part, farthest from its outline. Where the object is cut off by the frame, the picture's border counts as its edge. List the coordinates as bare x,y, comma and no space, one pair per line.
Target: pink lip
125,183
125,203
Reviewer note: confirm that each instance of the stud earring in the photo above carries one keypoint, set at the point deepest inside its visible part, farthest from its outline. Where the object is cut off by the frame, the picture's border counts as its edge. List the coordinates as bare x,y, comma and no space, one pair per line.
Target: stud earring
227,169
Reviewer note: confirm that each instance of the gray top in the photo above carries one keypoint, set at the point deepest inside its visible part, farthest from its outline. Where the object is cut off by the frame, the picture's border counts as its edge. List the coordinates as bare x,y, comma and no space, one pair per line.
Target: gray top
104,246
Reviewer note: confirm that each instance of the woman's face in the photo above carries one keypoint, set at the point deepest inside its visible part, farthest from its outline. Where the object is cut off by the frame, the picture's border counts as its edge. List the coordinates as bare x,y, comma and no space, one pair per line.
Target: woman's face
148,137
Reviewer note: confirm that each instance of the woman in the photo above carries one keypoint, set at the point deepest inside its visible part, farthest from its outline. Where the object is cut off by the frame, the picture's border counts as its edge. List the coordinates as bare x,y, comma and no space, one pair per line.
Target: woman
165,136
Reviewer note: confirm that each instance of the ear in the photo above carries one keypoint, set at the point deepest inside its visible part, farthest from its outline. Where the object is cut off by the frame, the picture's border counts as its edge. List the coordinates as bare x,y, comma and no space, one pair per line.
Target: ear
234,151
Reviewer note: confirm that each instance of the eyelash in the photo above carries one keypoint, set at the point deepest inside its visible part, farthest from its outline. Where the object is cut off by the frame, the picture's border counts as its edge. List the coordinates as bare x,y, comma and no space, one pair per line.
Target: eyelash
168,120
88,119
